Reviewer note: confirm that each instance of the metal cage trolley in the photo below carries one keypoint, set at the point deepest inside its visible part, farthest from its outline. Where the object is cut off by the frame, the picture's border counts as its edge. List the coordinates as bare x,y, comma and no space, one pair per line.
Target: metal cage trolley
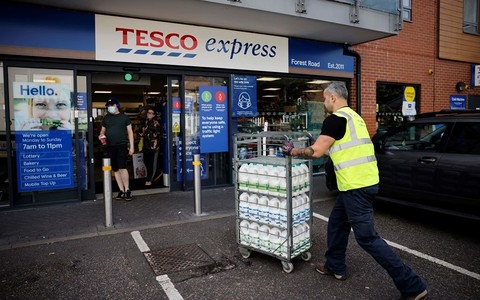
272,197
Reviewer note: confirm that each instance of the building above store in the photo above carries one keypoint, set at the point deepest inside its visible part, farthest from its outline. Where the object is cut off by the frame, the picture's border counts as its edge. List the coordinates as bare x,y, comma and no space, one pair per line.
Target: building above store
343,21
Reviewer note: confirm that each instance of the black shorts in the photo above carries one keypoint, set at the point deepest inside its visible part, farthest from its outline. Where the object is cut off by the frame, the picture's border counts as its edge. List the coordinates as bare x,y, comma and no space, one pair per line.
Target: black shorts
118,156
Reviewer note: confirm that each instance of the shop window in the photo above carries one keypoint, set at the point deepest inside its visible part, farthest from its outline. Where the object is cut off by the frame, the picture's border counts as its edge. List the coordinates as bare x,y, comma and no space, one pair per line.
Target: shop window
396,103
471,12
288,104
44,158
205,128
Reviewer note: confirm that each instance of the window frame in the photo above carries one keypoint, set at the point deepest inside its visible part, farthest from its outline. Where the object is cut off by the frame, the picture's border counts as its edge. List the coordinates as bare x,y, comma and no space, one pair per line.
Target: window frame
471,26
407,10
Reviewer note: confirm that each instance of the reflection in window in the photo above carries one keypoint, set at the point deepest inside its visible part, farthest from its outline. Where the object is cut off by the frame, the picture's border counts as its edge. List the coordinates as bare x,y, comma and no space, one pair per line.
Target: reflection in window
471,11
407,10
390,97
418,137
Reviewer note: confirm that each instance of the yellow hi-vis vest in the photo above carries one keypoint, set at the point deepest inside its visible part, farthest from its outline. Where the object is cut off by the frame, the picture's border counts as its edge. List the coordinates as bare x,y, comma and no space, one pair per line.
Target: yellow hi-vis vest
353,156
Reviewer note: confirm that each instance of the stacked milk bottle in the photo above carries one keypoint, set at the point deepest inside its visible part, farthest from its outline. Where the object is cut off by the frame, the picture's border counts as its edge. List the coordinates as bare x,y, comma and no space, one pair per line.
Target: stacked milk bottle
300,179
263,207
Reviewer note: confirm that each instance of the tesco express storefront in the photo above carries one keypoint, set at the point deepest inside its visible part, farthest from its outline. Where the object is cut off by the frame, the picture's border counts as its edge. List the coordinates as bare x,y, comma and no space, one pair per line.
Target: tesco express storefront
206,83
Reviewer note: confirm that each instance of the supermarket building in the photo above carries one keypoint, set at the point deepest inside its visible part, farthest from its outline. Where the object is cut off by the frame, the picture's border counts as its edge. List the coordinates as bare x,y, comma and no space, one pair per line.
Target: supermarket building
265,64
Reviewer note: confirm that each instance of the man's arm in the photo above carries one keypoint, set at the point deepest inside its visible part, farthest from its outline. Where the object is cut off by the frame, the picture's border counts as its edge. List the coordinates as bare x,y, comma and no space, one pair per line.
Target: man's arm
318,149
130,139
102,132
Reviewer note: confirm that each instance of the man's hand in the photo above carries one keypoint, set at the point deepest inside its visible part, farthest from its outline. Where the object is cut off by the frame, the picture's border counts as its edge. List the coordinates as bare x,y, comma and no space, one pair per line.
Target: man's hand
287,148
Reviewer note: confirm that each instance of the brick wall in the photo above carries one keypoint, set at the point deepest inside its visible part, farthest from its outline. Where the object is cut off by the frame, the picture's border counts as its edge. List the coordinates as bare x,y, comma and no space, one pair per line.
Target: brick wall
407,58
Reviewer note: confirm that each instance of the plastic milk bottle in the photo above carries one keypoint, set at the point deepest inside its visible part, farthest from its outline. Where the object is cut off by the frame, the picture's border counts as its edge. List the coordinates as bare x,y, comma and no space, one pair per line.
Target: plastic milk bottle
253,206
244,232
264,237
275,240
263,209
253,232
243,177
274,211
243,205
283,213
282,184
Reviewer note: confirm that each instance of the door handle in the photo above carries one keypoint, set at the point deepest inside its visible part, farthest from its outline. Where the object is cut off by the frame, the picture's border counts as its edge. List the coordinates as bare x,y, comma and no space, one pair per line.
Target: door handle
427,160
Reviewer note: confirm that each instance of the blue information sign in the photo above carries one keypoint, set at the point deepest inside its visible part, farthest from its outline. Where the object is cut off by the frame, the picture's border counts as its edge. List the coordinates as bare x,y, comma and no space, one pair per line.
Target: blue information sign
191,149
244,96
458,102
44,160
82,101
213,119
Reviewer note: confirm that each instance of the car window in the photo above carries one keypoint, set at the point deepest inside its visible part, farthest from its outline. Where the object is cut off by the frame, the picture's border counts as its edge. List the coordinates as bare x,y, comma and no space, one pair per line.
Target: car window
416,137
465,139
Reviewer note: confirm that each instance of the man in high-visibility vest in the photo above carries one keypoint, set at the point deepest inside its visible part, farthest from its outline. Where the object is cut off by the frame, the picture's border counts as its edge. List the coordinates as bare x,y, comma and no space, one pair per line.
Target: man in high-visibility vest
345,138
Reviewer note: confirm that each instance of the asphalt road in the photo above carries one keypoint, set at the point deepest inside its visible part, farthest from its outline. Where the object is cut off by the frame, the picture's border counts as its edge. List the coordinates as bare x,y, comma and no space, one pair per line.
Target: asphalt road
443,251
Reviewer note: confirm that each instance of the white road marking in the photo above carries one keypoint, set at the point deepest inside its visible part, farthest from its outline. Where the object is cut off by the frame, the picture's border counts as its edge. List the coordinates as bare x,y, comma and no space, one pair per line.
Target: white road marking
421,255
139,241
169,288
164,280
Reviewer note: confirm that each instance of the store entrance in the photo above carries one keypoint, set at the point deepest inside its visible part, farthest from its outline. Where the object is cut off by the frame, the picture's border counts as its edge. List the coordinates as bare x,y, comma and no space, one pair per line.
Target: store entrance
137,94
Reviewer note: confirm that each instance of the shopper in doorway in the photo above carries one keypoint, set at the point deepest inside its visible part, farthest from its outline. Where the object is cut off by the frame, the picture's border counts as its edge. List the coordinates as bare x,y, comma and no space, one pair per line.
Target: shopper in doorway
151,132
117,129
344,137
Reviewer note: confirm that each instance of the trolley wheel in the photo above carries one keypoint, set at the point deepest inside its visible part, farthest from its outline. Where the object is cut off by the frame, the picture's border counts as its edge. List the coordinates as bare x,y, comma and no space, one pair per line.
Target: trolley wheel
306,256
287,266
245,253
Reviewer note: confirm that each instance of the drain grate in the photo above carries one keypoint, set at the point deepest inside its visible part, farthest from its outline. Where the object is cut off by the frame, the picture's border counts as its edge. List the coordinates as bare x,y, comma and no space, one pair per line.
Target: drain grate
180,258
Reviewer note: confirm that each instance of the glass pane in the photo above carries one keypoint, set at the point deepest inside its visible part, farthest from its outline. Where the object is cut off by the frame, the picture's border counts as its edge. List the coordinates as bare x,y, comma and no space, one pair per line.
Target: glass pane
465,139
4,197
421,137
214,168
44,156
83,142
470,16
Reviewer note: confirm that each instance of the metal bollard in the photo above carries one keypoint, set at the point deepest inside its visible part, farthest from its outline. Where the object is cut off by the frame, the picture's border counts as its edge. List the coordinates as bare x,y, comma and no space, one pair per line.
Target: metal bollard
198,184
107,191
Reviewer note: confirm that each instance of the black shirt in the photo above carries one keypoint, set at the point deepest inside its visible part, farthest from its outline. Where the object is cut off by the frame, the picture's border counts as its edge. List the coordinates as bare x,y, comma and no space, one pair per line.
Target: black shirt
334,126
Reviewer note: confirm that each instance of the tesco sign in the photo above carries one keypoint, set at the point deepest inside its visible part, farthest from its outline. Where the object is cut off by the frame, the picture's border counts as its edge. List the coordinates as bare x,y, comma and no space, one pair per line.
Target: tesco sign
157,39
145,41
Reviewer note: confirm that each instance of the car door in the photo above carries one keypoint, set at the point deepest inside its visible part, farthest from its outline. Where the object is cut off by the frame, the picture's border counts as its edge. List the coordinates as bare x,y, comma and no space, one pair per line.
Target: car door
408,161
458,169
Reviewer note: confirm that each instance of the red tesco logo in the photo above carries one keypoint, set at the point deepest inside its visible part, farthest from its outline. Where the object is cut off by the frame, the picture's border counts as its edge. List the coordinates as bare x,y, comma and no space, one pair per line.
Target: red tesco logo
157,39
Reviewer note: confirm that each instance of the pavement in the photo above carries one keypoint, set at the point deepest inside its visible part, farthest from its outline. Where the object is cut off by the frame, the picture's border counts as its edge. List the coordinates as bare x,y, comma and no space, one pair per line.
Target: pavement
149,209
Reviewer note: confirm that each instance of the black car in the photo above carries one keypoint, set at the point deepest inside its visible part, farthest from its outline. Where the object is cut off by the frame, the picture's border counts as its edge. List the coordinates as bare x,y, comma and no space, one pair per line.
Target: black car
433,163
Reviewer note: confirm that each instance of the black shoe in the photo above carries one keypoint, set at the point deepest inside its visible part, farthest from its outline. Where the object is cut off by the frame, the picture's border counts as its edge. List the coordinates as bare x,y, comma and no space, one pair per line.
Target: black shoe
128,196
120,196
322,269
418,296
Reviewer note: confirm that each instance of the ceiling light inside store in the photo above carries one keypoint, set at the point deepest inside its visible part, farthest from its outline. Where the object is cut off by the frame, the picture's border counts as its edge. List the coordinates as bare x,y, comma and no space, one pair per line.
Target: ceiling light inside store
270,96
153,93
268,79
318,81
313,91
173,85
102,92
272,89
45,80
